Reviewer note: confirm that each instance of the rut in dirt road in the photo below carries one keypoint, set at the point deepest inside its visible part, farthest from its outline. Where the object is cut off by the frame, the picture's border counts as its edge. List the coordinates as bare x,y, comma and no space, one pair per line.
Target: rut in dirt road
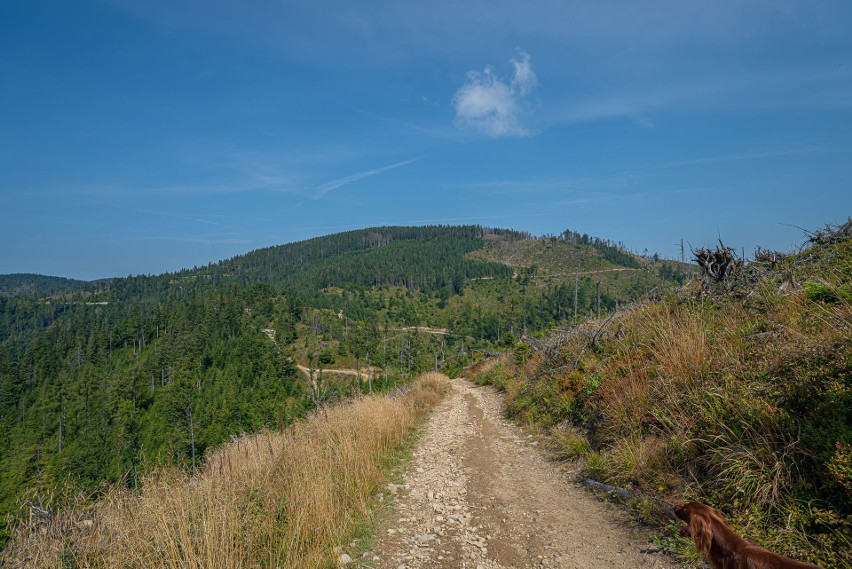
479,495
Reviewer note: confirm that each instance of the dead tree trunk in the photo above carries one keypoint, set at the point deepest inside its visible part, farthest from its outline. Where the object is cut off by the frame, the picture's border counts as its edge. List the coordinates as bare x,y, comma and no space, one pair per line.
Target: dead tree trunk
598,294
576,286
369,374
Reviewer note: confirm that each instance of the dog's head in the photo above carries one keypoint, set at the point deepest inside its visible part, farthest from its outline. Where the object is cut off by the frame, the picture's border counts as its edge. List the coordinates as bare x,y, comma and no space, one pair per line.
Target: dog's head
700,520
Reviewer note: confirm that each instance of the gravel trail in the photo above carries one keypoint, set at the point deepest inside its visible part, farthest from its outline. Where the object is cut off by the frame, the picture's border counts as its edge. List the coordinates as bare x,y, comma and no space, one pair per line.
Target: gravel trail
480,495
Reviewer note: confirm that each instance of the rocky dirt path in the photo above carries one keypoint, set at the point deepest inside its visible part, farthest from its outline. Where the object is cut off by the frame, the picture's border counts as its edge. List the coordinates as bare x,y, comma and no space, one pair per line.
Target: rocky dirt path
480,495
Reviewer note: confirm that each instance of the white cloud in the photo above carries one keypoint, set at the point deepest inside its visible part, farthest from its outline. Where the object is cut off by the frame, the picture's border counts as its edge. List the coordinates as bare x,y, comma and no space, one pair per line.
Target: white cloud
493,105
524,80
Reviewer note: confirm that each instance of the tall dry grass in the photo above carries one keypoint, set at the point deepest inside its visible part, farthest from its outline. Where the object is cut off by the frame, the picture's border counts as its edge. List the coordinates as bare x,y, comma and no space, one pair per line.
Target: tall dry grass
275,499
741,401
667,355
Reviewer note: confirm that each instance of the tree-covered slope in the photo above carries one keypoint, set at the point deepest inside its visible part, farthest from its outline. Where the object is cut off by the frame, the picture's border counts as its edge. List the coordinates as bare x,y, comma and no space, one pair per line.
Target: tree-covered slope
110,378
417,258
95,392
423,258
26,283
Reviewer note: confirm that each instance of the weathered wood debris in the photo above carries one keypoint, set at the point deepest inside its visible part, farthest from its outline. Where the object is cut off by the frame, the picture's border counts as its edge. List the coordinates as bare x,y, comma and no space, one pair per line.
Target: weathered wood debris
767,257
717,264
831,234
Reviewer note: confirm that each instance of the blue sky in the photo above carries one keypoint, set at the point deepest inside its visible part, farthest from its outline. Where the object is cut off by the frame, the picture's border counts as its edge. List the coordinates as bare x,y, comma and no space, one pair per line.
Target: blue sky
141,137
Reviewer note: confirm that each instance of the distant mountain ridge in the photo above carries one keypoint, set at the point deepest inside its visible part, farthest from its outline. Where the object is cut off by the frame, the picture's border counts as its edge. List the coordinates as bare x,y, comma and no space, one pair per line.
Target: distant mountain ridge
422,258
16,284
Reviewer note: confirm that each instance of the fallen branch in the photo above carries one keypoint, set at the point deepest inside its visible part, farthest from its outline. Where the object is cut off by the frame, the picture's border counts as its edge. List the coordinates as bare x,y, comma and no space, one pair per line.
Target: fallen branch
594,339
41,511
607,488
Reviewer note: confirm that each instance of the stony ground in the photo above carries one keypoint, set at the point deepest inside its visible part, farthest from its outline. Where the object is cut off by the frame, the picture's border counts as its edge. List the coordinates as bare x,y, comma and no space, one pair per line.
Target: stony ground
480,495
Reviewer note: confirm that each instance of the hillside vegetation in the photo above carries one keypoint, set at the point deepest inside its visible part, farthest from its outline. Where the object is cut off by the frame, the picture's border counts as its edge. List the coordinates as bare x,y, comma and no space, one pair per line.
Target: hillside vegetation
737,394
26,283
275,499
107,381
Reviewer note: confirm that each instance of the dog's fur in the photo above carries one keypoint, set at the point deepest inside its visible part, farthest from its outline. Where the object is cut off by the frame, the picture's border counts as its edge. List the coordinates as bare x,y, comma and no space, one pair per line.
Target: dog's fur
722,548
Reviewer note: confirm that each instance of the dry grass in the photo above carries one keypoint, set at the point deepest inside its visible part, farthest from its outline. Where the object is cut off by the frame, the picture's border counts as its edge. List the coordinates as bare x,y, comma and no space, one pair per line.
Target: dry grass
268,500
667,355
637,458
567,442
740,400
679,346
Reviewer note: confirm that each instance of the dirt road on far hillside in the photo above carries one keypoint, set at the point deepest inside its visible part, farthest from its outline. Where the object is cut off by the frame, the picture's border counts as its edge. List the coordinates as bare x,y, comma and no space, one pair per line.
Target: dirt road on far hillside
479,495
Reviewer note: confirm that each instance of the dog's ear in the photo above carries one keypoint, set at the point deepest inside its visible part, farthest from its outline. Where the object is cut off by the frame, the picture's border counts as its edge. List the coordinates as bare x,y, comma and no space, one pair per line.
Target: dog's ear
702,533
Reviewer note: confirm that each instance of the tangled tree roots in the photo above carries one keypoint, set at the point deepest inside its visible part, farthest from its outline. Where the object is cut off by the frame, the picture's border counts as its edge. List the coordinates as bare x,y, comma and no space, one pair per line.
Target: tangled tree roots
717,265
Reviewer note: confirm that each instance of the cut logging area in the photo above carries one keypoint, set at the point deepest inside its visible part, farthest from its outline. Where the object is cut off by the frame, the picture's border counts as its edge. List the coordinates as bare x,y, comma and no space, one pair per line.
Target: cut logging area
425,329
582,273
363,373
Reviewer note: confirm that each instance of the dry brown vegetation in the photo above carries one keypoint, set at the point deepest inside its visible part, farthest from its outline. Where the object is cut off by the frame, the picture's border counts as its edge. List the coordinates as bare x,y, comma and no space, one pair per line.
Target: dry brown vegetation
275,499
740,399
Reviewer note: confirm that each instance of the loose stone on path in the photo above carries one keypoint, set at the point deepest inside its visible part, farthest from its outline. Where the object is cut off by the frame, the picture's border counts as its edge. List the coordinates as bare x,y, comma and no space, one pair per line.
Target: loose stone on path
479,495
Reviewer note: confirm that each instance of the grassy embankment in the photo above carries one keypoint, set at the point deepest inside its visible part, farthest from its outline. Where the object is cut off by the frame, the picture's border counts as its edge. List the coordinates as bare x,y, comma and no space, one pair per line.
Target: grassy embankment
275,499
740,399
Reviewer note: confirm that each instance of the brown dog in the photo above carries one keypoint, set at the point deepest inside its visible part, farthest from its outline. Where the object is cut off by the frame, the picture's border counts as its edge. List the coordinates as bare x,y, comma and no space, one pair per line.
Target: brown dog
722,548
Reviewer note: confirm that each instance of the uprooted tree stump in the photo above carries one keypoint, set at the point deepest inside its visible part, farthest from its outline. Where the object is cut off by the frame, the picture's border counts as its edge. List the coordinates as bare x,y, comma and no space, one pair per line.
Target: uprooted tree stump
768,258
717,265
831,234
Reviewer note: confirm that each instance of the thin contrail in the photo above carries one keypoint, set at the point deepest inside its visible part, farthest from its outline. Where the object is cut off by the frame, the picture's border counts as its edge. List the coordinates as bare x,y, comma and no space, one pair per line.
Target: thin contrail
340,182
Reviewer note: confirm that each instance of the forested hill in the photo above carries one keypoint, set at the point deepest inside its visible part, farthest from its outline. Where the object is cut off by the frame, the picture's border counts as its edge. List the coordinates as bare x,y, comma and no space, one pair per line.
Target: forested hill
28,283
103,380
423,258
416,258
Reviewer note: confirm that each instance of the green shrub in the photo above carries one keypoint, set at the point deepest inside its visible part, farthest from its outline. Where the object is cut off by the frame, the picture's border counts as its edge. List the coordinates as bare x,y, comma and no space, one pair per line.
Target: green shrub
598,466
823,292
522,352
570,444
497,376
840,466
